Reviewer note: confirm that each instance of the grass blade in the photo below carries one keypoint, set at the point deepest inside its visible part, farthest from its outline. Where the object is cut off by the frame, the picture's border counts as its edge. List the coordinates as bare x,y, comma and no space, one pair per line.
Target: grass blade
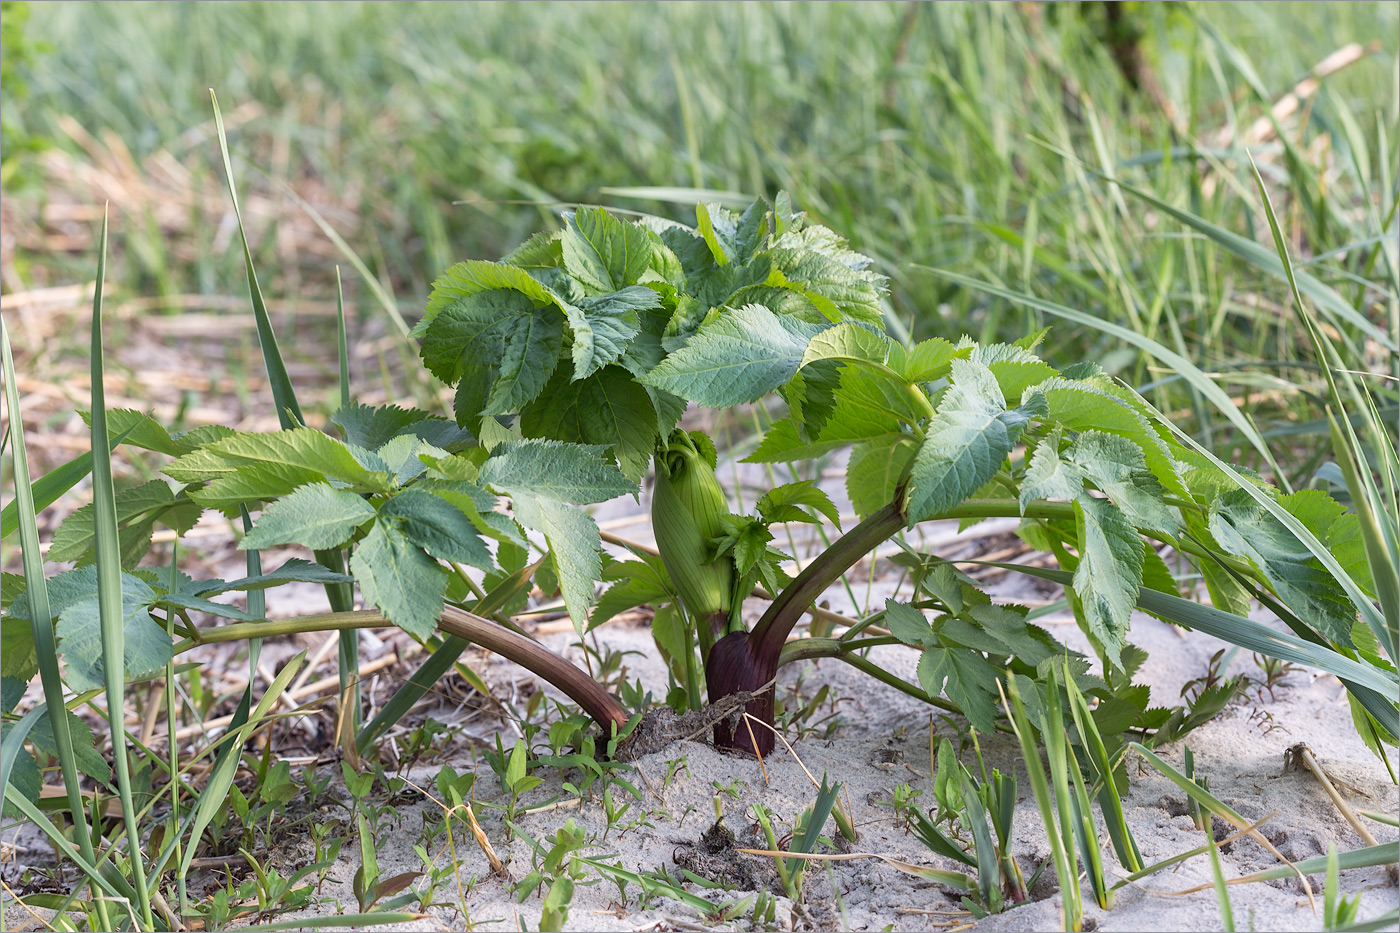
226,764
1266,261
332,923
37,591
1067,872
283,395
1110,803
1363,603
341,343
1387,853
806,841
1227,915
1386,629
109,593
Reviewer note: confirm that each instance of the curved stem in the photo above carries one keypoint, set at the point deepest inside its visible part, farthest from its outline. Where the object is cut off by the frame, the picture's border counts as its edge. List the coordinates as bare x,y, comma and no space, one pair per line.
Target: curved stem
782,614
529,654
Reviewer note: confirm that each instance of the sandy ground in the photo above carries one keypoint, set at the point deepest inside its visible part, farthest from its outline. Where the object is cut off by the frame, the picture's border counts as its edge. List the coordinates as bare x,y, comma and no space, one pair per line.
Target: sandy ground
881,740
876,739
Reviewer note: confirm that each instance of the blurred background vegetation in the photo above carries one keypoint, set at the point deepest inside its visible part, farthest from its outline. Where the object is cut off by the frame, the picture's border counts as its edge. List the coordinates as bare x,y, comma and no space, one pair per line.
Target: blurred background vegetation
964,136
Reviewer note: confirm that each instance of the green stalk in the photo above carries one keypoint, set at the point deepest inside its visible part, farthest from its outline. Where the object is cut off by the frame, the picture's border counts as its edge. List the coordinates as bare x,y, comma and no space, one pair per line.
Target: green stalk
342,595
109,592
41,619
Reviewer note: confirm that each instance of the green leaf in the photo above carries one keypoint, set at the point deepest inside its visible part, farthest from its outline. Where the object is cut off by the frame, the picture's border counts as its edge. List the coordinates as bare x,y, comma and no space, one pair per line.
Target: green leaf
1082,405
839,291
541,251
717,229
1244,528
395,575
736,358
1109,574
314,515
372,428
604,253
866,408
604,326
85,754
965,678
873,472
146,645
608,409
23,772
926,361
501,339
1118,468
781,504
574,545
1175,361
965,442
846,341
909,625
18,657
402,457
554,470
298,451
437,526
471,278
1049,475
138,510
141,430
638,582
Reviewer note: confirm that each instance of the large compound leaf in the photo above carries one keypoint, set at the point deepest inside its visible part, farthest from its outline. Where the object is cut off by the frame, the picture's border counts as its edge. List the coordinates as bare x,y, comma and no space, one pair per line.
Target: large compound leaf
736,358
574,545
604,253
608,409
502,340
1109,574
315,516
965,443
296,450
395,575
1244,528
554,470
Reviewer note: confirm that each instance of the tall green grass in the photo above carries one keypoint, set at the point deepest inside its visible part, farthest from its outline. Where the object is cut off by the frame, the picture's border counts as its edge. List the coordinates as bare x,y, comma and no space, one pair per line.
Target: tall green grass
958,136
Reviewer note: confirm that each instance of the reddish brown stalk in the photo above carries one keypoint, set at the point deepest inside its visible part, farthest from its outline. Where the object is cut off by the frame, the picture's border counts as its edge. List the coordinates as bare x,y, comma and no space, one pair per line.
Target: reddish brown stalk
745,661
537,659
